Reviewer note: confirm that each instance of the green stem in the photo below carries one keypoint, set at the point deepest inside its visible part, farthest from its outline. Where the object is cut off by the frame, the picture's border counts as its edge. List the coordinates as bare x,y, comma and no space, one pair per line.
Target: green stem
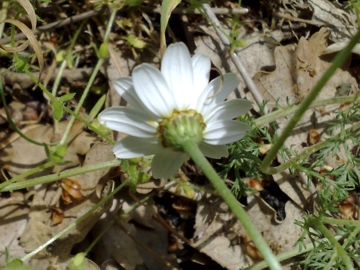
26,174
341,222
78,221
64,174
338,61
55,87
109,25
283,112
81,101
315,222
284,256
310,150
91,80
193,150
52,98
98,237
287,255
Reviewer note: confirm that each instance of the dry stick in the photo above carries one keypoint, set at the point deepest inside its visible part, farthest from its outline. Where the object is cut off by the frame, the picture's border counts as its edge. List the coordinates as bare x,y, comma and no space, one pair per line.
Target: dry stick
57,24
195,11
291,18
249,82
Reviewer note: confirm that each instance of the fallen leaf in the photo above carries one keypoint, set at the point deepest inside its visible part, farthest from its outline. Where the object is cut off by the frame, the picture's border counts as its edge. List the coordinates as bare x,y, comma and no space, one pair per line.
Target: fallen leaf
18,155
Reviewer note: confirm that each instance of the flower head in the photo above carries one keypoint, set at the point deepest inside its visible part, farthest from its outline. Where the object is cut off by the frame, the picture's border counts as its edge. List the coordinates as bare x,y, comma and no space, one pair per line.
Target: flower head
172,105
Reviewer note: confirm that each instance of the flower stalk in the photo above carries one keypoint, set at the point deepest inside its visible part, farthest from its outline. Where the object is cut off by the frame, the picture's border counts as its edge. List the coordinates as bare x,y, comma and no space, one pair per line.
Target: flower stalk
193,150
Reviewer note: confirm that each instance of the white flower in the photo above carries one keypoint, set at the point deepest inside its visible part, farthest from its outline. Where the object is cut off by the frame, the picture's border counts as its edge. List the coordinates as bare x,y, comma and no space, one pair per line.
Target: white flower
179,92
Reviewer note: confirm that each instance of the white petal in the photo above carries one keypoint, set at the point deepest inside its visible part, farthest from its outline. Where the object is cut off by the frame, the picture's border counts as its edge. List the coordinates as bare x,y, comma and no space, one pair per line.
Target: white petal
124,87
176,66
153,91
229,109
201,72
216,91
128,121
165,164
223,132
213,151
132,147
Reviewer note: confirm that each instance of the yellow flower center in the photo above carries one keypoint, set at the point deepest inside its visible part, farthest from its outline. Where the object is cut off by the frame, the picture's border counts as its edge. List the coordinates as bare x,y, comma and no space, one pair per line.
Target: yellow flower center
181,126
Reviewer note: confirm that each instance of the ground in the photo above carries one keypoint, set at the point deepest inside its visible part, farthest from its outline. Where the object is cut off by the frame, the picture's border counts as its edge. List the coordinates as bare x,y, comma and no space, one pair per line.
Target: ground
62,186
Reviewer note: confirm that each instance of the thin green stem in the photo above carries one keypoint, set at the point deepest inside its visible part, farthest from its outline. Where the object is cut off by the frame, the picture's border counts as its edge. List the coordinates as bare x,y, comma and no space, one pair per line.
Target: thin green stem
109,25
26,174
316,222
42,87
288,254
91,80
338,61
76,222
64,174
283,112
310,150
82,99
55,87
284,256
98,237
342,222
73,114
193,150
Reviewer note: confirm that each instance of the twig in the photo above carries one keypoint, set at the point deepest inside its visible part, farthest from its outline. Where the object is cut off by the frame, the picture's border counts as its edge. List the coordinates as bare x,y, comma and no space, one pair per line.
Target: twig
181,10
291,18
57,24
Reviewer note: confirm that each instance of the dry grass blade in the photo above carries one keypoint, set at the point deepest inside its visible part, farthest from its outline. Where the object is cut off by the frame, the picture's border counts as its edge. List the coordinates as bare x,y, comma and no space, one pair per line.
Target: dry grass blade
31,39
30,11
15,49
3,14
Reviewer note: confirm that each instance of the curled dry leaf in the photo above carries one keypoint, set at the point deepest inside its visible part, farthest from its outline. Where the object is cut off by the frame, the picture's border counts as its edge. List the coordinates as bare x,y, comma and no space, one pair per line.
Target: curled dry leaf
251,250
313,137
57,215
31,39
73,188
30,12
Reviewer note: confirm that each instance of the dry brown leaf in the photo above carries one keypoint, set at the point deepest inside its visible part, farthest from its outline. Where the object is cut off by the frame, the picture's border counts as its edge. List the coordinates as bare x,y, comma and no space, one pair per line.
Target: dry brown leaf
38,230
100,152
213,223
19,155
220,236
13,216
295,74
146,231
116,244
